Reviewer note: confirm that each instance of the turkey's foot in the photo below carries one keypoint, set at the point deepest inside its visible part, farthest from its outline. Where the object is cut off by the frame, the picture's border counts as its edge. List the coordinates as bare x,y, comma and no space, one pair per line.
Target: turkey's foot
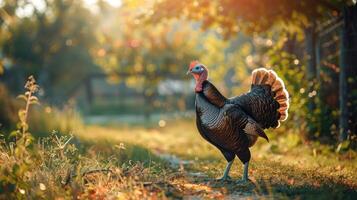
224,178
243,181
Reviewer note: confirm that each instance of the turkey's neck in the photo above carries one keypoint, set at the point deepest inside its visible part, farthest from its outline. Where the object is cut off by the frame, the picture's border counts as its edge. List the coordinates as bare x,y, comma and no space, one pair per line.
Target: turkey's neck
206,112
199,81
212,94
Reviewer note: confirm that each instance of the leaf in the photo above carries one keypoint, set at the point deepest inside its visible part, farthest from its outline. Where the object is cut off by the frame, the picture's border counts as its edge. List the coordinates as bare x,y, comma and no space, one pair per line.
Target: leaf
22,114
21,96
34,102
25,126
28,141
343,146
13,134
33,98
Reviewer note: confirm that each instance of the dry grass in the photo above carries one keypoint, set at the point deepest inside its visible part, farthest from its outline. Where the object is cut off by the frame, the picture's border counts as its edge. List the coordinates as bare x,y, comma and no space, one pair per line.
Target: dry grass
133,156
285,167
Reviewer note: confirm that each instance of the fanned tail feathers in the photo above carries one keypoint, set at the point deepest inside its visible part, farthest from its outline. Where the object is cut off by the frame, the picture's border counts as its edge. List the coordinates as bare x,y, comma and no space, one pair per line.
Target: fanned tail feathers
263,76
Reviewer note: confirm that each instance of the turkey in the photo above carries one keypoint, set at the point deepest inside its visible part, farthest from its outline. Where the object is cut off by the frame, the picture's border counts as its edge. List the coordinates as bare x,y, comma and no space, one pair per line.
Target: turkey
233,125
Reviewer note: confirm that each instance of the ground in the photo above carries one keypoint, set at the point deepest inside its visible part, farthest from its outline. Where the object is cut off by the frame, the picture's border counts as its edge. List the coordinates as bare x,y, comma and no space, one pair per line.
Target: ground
170,160
175,162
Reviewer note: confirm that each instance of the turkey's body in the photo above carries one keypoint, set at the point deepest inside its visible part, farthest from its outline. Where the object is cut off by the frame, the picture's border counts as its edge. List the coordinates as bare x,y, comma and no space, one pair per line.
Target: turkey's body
233,125
221,129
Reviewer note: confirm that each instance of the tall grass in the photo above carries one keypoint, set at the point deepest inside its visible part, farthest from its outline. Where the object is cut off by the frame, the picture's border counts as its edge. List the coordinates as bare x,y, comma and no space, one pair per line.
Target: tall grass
43,120
54,167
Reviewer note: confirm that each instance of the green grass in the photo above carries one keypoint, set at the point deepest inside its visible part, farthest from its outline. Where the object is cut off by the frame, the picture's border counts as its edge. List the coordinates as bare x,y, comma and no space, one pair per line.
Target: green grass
285,168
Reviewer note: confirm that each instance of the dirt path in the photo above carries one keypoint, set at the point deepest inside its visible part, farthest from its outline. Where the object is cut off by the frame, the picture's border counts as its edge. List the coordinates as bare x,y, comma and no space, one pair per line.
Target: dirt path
196,185
280,169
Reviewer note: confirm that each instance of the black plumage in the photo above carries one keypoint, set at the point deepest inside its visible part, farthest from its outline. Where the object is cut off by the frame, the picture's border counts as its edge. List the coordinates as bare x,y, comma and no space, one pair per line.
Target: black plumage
222,121
233,125
260,104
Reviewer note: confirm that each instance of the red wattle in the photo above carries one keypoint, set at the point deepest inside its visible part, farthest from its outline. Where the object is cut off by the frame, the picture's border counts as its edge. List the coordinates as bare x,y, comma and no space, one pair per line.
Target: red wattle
199,81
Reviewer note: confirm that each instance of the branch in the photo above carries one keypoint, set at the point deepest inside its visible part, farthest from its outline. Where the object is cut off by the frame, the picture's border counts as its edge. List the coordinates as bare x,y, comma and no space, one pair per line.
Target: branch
329,5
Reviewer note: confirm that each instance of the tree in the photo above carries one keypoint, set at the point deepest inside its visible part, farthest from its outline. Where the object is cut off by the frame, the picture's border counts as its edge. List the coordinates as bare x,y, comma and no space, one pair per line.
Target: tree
44,44
142,55
248,15
258,16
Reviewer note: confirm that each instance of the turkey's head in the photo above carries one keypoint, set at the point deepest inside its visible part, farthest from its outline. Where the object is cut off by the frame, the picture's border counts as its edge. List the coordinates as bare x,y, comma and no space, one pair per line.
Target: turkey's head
199,73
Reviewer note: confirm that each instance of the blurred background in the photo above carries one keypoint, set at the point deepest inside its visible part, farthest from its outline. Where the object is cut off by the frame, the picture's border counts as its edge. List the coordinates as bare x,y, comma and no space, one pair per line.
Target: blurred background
124,62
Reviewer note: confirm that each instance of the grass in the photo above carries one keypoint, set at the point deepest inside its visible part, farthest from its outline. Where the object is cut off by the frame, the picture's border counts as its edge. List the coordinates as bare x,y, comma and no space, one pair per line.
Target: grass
43,118
286,167
171,161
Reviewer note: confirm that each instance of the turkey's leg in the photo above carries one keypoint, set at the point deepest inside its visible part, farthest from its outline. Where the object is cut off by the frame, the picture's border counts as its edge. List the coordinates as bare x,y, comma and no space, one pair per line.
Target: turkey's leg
245,173
226,171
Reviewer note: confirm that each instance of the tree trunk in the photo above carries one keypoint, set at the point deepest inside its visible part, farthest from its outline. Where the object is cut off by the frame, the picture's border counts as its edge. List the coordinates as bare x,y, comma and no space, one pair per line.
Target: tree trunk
310,45
348,62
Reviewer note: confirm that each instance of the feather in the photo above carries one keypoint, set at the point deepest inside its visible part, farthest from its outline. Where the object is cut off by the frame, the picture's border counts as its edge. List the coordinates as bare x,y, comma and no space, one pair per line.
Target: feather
272,77
253,128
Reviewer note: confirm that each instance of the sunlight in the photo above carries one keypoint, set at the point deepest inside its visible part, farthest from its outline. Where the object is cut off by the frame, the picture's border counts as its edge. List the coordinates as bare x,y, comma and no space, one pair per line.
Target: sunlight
178,99
114,3
92,4
29,7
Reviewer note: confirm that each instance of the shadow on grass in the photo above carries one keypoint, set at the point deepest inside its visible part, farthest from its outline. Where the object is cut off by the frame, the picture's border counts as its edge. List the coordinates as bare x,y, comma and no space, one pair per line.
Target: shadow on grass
278,181
269,178
294,181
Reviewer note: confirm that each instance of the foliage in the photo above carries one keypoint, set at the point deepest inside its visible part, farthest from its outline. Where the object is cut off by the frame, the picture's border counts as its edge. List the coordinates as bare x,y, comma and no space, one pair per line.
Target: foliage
231,16
45,45
21,157
142,55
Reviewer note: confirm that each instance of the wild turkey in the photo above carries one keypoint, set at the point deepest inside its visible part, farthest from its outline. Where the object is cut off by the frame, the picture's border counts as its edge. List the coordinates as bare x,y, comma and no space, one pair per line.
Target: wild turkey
233,125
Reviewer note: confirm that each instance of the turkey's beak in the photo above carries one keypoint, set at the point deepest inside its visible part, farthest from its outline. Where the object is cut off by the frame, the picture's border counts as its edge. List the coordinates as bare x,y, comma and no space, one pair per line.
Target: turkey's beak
188,72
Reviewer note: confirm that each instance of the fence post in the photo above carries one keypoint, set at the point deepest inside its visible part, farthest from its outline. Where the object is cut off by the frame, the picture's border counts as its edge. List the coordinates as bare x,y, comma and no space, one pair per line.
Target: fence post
348,62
